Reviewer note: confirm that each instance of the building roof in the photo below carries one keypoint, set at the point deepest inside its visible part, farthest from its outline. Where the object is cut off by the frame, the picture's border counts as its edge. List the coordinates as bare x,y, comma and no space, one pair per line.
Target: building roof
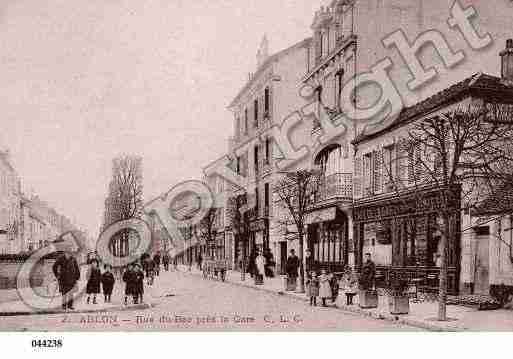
499,202
479,85
277,56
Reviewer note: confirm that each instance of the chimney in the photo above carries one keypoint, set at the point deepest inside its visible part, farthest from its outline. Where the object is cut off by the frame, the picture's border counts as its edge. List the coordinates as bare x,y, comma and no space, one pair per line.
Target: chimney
507,63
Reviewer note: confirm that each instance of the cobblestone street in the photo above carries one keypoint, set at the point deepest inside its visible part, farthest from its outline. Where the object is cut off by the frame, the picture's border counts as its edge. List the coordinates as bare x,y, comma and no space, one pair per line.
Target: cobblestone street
187,302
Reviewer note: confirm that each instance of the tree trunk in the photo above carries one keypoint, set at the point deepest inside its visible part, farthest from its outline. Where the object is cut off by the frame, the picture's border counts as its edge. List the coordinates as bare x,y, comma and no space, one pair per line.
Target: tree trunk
442,295
301,266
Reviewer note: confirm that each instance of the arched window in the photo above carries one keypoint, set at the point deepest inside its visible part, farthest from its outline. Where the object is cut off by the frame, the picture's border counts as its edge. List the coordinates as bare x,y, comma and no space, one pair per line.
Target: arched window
331,160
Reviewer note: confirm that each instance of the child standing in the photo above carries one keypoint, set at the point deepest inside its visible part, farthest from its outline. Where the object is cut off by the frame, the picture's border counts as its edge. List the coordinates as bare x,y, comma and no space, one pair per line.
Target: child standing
138,284
324,287
312,285
150,271
129,279
351,285
107,283
94,278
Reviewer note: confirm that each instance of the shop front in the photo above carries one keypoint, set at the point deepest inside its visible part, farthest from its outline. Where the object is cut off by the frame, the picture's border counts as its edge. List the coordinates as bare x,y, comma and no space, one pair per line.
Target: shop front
328,242
402,235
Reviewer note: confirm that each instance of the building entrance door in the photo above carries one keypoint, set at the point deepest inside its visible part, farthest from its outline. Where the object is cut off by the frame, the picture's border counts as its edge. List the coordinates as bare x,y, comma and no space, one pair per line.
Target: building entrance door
482,284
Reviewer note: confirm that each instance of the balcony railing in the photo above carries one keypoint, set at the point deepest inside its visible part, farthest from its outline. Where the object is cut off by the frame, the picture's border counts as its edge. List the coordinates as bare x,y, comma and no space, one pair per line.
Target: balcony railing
338,185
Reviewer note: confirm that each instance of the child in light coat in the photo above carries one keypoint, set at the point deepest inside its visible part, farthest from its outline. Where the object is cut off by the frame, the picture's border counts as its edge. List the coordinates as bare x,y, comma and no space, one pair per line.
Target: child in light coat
350,286
324,287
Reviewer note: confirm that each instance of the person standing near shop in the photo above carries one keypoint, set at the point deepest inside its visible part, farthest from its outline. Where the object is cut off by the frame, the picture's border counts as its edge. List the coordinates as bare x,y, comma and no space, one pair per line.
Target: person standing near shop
368,273
67,272
269,263
292,270
200,262
259,268
309,261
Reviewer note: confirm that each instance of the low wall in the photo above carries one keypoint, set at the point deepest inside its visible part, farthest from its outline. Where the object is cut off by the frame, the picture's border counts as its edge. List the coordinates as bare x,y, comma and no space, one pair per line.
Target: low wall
9,270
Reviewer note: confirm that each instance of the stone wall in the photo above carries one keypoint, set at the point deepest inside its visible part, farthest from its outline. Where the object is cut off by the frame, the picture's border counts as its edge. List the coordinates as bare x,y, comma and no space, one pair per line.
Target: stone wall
9,270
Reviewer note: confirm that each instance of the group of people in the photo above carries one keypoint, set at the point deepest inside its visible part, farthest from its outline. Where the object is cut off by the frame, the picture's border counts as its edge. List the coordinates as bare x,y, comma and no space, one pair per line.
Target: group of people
66,271
325,286
95,279
261,264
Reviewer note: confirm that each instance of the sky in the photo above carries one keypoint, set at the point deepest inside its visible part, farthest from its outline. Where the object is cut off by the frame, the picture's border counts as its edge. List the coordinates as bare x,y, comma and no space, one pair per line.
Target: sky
85,81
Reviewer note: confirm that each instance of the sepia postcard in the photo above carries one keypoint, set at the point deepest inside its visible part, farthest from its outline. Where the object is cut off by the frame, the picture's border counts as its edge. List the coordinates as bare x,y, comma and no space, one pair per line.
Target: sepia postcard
239,165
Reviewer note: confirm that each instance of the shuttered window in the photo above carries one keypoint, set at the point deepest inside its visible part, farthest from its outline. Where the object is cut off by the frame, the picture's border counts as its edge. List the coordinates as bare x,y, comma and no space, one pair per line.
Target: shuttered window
367,173
358,177
377,169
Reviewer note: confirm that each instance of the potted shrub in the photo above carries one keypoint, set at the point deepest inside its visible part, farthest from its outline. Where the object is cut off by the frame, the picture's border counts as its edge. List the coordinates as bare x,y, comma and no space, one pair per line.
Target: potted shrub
398,298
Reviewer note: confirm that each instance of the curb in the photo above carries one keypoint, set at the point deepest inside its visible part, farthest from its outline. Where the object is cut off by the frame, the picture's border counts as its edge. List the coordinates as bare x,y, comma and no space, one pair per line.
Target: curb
85,311
352,309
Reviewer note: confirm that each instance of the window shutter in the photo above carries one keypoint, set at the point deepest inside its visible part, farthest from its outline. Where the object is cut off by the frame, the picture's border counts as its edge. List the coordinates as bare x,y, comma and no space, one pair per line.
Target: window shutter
377,157
419,168
261,104
400,162
358,190
271,104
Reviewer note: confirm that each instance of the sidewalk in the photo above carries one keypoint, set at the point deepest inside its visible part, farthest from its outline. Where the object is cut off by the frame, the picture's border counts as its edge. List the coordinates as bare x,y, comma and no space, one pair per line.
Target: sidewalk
152,297
422,314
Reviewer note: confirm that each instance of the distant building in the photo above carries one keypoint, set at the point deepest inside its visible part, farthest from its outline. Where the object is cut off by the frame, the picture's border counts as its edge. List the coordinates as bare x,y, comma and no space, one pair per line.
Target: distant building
10,209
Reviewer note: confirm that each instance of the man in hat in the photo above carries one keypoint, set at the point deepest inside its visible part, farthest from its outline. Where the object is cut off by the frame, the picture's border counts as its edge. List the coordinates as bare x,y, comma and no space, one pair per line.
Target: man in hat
67,272
292,270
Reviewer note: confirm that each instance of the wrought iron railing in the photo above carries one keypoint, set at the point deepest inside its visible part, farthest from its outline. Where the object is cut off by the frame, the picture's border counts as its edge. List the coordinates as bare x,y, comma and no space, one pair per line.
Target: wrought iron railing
338,185
427,279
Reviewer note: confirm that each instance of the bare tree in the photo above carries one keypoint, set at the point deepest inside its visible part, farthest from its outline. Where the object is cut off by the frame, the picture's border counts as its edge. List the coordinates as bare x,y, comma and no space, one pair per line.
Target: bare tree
239,223
206,228
125,196
465,154
297,192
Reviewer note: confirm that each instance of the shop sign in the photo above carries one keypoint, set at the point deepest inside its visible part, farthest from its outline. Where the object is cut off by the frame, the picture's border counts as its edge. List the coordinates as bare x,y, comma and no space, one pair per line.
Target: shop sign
323,215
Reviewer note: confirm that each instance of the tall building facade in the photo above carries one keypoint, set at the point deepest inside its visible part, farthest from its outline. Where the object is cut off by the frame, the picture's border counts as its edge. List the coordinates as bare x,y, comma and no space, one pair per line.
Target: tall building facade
269,96
10,206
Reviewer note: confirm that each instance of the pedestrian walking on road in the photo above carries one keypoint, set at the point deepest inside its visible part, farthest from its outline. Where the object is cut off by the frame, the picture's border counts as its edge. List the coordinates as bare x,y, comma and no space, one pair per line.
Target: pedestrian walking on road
67,272
324,287
156,262
108,281
150,272
312,286
291,268
94,279
138,284
129,279
165,261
